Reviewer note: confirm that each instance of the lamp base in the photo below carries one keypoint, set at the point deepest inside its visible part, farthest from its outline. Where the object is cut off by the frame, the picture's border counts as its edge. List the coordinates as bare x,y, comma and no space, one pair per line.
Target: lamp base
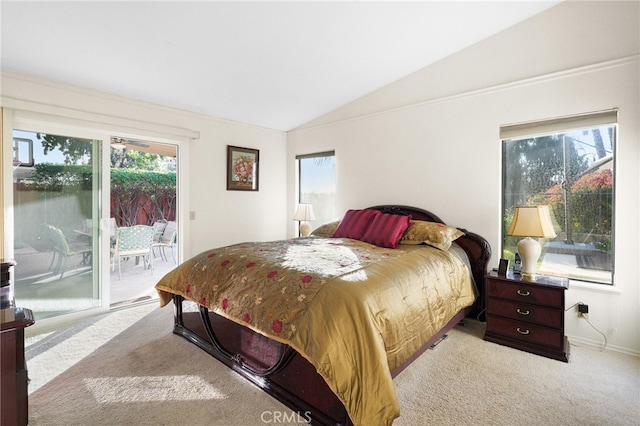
305,229
529,250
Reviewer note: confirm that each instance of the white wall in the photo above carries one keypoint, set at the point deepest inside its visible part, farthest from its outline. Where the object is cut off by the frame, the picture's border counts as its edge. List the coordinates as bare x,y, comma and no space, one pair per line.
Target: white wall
429,140
432,139
228,217
221,217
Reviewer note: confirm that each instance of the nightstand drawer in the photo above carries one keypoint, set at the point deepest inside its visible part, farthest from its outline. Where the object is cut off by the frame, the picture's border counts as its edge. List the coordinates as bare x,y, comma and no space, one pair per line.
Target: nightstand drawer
526,332
526,293
522,312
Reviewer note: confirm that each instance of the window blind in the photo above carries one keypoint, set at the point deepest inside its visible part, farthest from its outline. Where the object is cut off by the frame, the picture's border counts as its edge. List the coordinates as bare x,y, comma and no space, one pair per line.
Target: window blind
557,125
316,155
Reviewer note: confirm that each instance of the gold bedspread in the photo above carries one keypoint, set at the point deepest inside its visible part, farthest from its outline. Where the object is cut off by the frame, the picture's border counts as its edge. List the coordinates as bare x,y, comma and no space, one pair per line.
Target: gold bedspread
347,306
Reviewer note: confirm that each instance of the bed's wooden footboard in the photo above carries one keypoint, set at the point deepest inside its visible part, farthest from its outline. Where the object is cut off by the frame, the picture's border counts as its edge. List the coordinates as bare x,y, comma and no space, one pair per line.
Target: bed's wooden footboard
275,367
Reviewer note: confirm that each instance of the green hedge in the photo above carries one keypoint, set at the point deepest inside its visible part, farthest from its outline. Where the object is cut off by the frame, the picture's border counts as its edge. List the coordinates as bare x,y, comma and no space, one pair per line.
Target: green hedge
137,196
127,179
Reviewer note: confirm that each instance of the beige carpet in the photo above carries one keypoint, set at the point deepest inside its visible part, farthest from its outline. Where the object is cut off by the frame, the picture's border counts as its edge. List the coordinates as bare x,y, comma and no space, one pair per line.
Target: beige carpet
99,373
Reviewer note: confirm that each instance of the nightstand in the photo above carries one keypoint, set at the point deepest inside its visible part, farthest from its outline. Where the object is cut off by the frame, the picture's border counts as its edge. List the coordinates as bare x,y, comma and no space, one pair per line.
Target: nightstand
527,314
13,386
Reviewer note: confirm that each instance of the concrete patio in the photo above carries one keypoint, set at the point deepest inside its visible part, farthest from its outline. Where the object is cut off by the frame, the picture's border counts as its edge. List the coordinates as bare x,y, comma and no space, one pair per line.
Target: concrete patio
47,294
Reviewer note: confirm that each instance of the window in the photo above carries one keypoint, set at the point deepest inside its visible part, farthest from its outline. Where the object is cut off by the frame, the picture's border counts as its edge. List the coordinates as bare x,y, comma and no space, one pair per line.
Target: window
567,164
317,185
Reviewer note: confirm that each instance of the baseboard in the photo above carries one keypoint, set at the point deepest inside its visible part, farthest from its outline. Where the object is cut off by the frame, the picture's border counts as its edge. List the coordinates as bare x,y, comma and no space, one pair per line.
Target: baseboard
595,344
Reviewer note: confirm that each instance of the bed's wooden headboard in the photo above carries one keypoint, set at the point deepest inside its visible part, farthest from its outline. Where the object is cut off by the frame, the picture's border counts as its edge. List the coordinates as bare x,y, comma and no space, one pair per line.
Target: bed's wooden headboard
477,248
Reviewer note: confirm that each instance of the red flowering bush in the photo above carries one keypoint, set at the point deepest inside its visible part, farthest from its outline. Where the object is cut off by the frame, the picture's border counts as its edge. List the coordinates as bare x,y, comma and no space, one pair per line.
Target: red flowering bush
590,204
602,180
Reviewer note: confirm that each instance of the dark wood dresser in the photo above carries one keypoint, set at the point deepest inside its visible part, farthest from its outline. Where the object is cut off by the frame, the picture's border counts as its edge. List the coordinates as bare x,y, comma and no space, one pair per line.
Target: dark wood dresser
13,394
527,314
13,367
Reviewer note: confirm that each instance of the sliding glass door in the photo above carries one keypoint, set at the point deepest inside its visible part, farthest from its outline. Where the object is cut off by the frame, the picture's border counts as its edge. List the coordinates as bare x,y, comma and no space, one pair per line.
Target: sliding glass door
57,192
73,187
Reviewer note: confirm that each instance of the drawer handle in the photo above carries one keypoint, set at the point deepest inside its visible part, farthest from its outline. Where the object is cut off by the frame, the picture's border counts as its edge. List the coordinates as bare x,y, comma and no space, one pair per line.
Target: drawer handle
521,293
522,312
522,331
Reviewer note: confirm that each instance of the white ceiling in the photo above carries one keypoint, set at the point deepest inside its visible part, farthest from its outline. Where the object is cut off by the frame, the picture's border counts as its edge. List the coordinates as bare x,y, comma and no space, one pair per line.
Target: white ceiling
271,64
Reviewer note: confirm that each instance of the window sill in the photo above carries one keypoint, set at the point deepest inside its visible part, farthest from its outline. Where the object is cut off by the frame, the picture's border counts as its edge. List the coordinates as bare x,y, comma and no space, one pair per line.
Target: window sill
596,288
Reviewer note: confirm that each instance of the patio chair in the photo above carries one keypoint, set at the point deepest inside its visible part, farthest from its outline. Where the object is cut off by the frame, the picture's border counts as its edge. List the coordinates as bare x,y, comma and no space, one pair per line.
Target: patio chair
159,226
167,239
113,230
65,249
133,241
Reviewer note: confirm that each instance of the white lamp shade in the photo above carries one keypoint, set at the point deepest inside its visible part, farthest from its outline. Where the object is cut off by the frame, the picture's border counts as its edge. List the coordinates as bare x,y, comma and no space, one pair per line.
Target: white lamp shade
304,213
532,221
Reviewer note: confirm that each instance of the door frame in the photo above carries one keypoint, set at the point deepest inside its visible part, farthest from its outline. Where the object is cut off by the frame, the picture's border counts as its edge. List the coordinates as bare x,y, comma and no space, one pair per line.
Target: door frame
22,119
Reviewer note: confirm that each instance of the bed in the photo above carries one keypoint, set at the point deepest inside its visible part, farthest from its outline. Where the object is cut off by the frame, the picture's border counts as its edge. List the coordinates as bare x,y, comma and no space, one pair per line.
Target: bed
323,323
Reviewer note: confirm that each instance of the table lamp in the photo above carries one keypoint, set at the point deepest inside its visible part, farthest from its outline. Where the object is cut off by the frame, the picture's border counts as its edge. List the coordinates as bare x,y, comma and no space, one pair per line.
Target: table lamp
304,213
531,221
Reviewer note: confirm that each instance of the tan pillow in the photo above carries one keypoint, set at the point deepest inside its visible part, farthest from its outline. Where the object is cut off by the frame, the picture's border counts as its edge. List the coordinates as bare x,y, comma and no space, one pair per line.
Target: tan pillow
326,230
435,234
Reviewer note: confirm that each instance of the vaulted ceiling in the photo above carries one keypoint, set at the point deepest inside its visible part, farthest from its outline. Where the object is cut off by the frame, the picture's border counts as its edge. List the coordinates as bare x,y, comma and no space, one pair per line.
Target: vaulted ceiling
272,64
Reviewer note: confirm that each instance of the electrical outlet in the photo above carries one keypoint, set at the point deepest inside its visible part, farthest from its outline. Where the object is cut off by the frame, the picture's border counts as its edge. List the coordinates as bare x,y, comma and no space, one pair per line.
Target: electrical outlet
583,309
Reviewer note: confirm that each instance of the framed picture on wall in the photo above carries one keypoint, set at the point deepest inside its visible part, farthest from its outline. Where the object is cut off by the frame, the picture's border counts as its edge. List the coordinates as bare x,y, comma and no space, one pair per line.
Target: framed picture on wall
242,168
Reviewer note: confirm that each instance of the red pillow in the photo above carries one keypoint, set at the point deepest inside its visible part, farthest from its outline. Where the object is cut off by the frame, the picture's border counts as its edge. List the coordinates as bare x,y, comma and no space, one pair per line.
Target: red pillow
386,230
354,224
